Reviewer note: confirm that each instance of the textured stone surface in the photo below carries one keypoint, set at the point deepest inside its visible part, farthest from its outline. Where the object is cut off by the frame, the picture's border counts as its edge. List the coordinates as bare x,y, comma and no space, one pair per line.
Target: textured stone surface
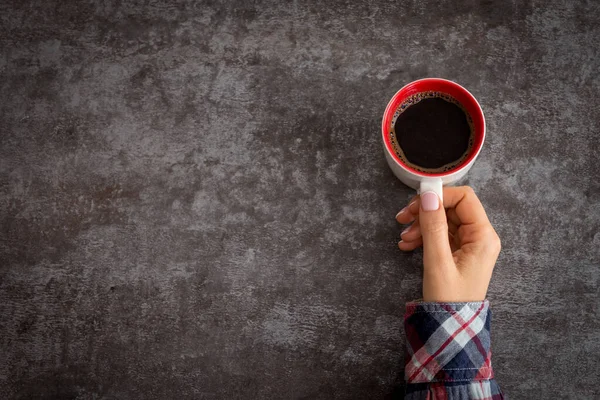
194,202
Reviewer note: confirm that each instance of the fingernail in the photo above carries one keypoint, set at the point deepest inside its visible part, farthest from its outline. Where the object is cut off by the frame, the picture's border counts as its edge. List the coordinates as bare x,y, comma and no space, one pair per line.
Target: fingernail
401,211
406,230
430,201
411,207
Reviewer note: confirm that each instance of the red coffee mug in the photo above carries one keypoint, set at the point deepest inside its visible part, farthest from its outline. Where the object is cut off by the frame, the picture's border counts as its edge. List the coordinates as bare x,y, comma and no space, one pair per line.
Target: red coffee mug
423,181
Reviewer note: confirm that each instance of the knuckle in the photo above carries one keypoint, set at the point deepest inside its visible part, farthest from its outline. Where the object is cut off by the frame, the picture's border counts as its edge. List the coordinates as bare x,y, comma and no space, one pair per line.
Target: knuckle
497,243
494,242
468,191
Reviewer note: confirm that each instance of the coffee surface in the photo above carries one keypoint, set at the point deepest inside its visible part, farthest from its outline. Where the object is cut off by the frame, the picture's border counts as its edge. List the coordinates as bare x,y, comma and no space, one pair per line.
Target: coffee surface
433,133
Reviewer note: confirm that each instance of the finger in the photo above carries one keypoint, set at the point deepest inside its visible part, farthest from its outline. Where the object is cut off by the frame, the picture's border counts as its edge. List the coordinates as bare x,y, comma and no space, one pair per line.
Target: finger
434,231
466,205
410,246
408,213
413,232
454,242
404,216
452,227
452,218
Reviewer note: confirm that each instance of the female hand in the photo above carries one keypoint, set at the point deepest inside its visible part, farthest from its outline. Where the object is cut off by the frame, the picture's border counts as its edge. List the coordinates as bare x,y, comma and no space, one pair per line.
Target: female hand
460,246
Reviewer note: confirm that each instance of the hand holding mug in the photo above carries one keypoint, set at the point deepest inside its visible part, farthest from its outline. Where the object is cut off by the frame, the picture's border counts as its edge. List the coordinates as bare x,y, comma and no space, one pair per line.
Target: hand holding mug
460,246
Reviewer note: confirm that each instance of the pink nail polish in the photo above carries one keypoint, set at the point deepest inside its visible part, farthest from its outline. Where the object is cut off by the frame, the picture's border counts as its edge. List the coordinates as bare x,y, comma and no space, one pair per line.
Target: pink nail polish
430,201
404,231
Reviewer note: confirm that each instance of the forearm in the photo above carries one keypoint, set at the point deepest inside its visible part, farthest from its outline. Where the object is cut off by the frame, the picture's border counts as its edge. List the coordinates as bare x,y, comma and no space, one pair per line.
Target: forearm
448,352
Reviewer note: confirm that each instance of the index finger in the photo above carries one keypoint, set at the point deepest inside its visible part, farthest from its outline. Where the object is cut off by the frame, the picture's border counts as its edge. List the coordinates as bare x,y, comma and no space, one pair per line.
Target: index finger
466,205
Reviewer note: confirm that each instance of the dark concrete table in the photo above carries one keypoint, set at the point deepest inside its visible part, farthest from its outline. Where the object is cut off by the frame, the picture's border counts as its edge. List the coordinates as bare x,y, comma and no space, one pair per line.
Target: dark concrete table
194,201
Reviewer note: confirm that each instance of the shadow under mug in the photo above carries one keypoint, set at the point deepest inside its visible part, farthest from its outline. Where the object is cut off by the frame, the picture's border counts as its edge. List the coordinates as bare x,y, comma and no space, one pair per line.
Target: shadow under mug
422,181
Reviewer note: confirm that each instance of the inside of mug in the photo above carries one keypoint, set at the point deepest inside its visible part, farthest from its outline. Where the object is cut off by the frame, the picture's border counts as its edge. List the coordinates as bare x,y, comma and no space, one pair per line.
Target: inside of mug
451,91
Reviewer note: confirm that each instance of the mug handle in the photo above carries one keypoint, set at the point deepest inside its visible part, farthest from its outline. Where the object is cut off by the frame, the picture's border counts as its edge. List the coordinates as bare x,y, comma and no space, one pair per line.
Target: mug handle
432,185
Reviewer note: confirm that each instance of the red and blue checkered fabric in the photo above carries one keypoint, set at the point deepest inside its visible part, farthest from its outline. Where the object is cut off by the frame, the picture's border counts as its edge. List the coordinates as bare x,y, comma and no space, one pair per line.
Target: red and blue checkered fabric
448,353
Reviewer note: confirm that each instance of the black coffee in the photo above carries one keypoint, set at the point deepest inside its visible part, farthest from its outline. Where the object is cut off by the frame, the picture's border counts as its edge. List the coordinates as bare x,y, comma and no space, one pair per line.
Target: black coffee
432,134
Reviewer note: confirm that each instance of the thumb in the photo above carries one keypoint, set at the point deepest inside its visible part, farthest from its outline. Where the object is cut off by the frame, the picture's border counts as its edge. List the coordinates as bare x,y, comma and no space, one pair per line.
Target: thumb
434,229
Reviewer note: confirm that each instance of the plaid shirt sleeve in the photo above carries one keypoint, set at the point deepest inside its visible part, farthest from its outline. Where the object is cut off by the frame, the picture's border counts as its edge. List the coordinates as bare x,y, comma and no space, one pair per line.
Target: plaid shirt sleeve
448,353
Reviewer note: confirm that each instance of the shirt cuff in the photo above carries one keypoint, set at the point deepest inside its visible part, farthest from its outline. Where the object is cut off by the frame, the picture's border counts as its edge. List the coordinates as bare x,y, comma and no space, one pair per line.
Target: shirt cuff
447,342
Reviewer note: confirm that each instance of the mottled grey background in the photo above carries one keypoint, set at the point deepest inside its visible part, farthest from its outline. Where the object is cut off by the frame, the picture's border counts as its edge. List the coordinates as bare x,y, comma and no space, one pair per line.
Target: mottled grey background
194,201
